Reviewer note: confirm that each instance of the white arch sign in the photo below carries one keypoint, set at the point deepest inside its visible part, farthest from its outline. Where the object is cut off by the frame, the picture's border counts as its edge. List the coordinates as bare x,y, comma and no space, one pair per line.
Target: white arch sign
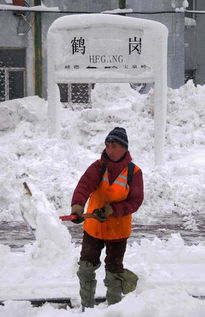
94,48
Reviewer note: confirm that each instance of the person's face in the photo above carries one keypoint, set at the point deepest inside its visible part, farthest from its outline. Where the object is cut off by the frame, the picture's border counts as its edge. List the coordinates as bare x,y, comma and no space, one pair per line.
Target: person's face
115,150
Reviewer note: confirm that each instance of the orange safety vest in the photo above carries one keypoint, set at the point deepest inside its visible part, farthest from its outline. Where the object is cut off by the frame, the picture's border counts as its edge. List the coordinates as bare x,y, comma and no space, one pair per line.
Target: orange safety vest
113,228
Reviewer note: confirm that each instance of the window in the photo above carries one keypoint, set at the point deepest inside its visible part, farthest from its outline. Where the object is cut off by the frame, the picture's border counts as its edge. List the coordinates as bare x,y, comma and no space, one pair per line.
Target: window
75,93
192,6
12,73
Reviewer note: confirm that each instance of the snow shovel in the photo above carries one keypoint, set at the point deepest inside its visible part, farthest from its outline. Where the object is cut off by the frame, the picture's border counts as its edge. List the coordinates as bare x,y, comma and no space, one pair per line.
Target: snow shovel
97,214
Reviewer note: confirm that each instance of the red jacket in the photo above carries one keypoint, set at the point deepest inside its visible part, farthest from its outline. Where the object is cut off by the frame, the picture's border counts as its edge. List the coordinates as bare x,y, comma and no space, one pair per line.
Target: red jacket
92,177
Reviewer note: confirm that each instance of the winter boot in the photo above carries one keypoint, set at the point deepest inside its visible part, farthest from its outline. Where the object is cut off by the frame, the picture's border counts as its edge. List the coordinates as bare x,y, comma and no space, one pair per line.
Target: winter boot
114,287
118,283
129,281
86,275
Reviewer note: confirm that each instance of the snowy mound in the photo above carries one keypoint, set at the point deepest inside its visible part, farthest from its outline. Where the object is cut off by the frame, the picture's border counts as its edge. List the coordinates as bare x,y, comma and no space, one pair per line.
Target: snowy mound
54,166
169,271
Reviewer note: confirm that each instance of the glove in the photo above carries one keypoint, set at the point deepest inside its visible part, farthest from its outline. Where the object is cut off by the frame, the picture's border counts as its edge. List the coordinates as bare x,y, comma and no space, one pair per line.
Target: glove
78,211
104,212
108,210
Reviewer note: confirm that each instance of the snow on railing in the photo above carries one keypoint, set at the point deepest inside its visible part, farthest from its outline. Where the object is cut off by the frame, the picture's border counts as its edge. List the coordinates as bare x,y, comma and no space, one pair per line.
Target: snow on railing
7,7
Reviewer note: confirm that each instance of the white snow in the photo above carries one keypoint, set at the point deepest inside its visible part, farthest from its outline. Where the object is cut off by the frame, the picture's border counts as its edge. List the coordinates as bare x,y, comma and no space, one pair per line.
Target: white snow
179,5
169,270
117,11
189,22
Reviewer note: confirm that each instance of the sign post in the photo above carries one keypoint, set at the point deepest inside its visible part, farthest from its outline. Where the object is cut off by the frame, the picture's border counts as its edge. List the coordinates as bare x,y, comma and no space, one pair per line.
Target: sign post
96,48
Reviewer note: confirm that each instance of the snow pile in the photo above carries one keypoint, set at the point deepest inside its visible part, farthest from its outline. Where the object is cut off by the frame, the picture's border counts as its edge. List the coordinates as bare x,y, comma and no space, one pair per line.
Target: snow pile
53,239
169,271
54,166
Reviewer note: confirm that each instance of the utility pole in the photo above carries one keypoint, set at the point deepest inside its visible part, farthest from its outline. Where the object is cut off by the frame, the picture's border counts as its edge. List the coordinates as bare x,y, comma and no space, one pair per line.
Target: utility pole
38,50
122,4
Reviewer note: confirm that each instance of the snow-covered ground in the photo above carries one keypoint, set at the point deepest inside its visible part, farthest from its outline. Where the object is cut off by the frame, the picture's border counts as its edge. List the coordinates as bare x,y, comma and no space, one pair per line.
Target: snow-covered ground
169,271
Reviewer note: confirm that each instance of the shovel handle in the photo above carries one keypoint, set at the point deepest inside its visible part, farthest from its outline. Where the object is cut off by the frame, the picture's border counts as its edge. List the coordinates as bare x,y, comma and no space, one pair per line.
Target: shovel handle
85,216
68,218
28,191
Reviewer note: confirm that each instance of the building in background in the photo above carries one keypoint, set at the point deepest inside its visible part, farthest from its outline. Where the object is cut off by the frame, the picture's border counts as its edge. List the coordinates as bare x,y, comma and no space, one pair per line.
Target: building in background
23,47
195,42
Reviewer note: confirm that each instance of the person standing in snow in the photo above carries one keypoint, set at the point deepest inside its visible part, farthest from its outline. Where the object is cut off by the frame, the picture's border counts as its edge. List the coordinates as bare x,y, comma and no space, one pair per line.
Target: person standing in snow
105,184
